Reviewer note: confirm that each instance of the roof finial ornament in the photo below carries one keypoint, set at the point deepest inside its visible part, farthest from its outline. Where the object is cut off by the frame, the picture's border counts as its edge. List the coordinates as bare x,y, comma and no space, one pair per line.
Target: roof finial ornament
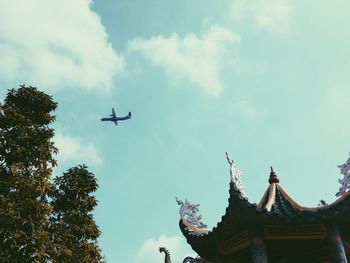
273,177
345,182
322,203
236,175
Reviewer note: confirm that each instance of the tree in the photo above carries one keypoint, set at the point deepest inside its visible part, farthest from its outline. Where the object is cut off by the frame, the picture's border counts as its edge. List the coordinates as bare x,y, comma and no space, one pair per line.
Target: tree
25,168
75,230
32,209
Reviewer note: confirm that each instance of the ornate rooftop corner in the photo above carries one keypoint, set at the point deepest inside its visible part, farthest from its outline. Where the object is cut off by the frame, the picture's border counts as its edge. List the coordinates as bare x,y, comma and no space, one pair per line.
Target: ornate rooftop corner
236,176
345,181
189,212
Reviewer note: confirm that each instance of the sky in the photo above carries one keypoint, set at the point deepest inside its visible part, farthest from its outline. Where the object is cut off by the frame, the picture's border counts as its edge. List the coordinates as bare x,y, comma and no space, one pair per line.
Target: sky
267,81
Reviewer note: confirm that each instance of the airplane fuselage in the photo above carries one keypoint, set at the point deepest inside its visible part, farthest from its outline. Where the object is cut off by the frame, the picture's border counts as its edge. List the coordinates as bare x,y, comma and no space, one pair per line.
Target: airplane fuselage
115,118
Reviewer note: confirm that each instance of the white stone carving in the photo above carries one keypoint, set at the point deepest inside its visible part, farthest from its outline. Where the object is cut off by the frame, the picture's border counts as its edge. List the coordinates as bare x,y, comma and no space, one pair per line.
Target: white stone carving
190,210
345,182
236,175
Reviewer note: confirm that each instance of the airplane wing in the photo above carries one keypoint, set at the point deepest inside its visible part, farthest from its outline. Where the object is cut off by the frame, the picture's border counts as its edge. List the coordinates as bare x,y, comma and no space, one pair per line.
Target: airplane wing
113,112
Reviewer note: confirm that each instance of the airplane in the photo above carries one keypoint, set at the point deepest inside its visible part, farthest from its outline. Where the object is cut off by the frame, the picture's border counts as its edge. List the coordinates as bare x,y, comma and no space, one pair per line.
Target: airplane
115,119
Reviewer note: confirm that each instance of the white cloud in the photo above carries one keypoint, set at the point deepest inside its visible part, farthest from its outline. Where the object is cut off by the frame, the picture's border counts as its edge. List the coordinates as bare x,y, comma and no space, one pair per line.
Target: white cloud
149,250
75,149
195,58
264,14
55,43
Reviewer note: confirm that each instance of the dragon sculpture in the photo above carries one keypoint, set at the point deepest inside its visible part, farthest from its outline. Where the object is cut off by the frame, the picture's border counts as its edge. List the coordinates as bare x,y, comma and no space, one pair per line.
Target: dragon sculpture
186,259
167,254
190,211
345,181
236,175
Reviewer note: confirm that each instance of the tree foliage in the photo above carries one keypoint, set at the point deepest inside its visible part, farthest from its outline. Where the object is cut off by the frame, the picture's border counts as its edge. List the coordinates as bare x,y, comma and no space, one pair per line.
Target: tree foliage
75,230
41,220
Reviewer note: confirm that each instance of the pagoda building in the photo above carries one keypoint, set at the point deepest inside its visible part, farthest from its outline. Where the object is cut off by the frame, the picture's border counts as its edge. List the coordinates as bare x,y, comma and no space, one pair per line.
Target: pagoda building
276,230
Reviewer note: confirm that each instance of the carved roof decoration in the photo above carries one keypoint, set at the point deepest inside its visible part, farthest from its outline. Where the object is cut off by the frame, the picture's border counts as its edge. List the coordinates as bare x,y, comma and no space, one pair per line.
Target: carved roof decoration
276,207
345,181
236,175
189,212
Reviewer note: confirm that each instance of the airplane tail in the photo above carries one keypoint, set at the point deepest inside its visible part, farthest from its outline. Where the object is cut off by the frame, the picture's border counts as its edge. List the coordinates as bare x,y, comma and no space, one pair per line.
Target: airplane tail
129,115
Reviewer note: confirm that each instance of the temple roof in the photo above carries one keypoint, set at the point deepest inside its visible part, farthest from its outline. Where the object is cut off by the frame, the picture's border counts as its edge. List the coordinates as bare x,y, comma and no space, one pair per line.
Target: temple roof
276,207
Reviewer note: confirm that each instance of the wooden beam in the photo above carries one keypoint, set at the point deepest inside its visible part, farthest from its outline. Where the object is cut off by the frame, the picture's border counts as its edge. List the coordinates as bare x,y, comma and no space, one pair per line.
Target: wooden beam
294,232
234,244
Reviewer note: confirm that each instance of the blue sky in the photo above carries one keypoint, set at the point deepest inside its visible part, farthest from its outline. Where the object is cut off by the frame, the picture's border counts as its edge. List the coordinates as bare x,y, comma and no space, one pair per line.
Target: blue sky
267,81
